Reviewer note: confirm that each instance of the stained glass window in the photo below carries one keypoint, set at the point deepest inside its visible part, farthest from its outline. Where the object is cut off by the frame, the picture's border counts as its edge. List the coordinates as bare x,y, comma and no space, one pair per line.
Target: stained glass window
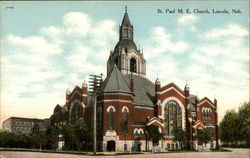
75,113
173,117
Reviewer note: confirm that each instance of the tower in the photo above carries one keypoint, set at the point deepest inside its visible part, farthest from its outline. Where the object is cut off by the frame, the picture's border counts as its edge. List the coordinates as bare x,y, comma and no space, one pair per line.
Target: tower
126,56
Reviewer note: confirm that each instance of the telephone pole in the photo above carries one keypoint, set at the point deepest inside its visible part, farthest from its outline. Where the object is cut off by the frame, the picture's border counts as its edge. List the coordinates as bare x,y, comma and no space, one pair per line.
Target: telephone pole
94,85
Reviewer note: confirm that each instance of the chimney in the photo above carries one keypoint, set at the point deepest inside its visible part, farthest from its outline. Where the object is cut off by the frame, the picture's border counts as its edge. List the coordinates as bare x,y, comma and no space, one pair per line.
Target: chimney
215,102
157,88
67,95
186,90
131,83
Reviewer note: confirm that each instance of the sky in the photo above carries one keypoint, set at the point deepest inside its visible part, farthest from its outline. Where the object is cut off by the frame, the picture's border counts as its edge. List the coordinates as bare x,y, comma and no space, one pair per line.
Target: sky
48,47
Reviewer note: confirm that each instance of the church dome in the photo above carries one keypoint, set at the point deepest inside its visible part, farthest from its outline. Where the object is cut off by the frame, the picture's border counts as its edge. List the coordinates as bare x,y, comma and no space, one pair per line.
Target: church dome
125,43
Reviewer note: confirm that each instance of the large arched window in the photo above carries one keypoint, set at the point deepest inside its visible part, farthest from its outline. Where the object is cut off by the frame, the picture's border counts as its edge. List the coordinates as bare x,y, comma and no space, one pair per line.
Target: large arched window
111,119
75,113
173,117
132,65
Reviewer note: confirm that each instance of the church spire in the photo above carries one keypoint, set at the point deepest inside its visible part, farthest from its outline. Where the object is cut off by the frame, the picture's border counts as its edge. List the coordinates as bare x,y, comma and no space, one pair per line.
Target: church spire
126,21
126,28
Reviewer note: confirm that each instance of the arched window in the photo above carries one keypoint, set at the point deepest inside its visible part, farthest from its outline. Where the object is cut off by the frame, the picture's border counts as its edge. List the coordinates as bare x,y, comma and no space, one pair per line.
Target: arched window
206,113
125,115
116,61
111,119
132,65
99,117
173,117
75,113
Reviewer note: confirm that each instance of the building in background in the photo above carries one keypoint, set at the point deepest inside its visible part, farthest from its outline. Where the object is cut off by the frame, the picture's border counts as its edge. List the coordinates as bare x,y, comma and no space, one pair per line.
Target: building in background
128,97
24,125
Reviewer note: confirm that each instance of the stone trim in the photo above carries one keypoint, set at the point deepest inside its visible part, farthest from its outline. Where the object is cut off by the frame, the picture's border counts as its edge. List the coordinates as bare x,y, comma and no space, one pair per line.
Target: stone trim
181,106
207,102
111,107
143,107
169,89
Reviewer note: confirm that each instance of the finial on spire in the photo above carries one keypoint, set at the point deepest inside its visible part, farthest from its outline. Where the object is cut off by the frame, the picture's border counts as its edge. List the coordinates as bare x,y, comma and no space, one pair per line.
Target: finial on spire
157,81
126,8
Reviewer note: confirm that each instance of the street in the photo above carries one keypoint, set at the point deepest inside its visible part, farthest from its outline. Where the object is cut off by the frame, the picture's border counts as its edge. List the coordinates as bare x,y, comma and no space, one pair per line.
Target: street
236,153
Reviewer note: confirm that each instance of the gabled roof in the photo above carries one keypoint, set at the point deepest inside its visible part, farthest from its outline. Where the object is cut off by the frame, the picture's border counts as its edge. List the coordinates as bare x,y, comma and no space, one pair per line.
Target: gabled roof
58,107
115,82
174,87
192,102
198,123
205,99
155,120
77,88
126,21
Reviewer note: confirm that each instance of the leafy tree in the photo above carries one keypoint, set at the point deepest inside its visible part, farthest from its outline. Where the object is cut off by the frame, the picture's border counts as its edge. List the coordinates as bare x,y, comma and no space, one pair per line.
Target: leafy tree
204,136
235,126
154,134
84,134
244,118
69,137
180,136
226,127
52,134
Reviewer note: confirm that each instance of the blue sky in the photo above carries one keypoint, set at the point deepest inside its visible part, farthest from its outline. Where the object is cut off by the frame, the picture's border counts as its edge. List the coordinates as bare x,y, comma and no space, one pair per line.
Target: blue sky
48,47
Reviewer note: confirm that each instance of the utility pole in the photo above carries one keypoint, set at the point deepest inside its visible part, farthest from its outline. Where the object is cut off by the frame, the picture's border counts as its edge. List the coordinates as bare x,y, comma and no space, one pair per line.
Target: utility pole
94,85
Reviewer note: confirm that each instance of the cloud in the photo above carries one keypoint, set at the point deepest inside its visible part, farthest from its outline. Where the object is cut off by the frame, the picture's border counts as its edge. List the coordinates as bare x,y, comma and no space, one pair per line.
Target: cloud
77,23
162,42
37,69
231,30
34,44
212,66
187,19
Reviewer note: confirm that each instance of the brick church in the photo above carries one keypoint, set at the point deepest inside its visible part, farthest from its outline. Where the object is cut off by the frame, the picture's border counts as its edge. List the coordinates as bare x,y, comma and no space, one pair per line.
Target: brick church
127,95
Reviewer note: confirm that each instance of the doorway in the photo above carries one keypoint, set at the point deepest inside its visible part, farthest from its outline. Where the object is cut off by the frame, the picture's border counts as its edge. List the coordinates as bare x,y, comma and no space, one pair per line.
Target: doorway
111,145
138,147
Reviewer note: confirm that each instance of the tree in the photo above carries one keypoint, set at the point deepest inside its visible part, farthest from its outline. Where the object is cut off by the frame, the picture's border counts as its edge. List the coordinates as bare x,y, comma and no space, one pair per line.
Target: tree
180,136
84,135
69,137
226,127
52,134
38,137
204,136
154,134
244,118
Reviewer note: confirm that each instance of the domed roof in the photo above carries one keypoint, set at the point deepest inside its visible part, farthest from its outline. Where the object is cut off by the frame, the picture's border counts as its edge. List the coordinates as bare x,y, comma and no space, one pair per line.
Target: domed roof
125,43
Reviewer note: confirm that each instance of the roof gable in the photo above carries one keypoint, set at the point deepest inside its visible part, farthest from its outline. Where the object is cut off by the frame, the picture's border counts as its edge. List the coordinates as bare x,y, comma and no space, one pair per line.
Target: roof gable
174,87
205,99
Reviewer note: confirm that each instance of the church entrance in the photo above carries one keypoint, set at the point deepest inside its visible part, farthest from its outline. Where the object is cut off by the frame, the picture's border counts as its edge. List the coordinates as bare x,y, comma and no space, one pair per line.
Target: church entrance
111,145
138,147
